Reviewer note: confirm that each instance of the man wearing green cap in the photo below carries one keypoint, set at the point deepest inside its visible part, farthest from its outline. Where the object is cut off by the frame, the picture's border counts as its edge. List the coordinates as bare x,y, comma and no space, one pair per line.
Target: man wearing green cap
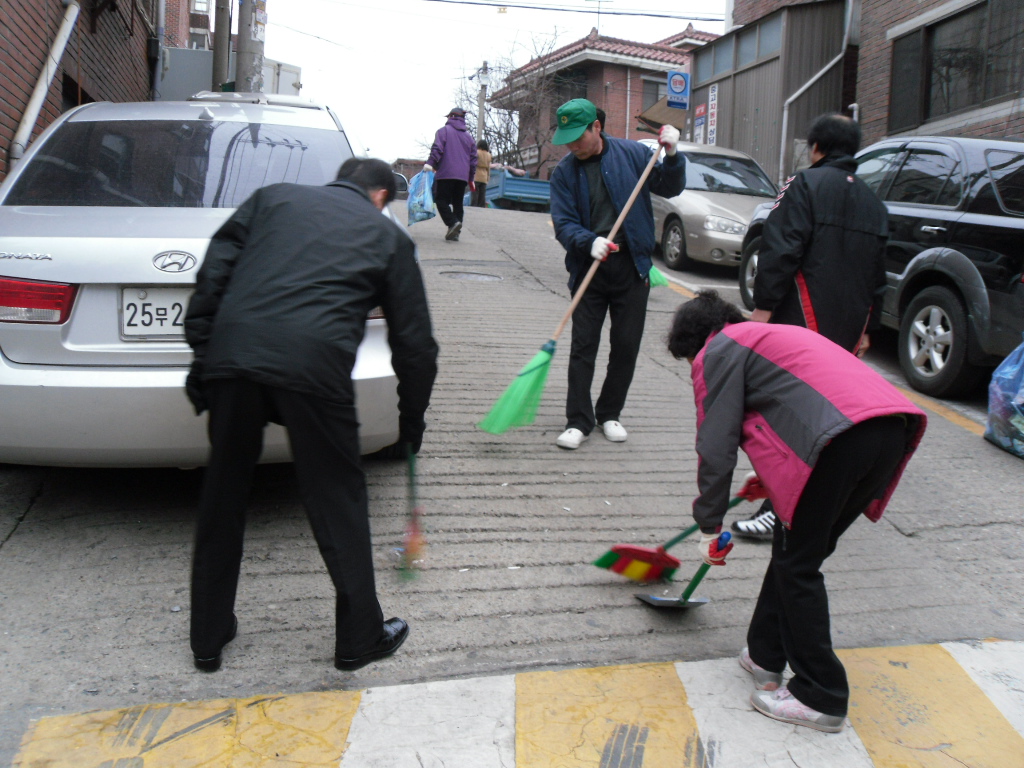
589,188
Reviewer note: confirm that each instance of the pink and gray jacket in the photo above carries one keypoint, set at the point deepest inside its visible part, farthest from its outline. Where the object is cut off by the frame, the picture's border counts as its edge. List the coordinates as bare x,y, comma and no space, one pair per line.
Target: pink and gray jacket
453,153
781,393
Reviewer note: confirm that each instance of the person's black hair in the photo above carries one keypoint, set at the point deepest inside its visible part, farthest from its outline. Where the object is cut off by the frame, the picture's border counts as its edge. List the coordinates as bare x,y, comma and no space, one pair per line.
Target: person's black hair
370,174
601,116
834,134
483,145
697,319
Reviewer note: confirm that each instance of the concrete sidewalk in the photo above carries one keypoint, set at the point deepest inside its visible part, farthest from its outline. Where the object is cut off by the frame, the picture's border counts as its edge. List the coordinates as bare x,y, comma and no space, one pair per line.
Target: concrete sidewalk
912,707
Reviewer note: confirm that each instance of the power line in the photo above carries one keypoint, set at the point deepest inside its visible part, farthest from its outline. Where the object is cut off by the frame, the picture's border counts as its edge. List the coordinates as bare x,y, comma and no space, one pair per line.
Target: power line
648,14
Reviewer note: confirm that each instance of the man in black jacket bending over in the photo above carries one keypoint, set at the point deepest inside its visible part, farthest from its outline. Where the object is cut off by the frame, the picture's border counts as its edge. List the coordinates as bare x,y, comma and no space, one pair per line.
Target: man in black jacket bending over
822,259
279,310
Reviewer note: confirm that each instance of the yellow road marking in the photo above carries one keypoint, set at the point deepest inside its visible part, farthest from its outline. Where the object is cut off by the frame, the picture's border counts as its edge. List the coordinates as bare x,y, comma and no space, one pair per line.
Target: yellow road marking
916,707
611,716
680,290
308,729
941,410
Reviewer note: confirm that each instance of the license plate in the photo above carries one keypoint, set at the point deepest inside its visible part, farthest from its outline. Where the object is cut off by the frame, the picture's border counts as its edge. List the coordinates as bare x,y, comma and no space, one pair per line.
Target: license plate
154,313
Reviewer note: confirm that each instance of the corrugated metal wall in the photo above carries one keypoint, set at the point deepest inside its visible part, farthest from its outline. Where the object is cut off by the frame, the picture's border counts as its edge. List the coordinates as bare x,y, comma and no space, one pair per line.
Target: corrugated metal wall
757,118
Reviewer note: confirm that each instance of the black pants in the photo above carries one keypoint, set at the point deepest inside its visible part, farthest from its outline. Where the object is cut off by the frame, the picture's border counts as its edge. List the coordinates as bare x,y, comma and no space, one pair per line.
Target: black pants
325,445
791,618
448,195
480,196
618,290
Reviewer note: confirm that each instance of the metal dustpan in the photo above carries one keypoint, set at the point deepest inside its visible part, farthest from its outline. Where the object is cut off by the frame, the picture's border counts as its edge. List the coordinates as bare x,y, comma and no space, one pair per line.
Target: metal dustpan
684,601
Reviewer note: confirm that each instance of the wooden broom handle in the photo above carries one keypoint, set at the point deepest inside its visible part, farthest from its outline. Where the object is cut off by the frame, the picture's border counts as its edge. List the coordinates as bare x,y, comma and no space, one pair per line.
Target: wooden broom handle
611,236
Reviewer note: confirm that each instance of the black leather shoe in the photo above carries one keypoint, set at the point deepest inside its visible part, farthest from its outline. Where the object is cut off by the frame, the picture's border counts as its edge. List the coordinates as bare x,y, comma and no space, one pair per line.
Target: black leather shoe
395,632
212,664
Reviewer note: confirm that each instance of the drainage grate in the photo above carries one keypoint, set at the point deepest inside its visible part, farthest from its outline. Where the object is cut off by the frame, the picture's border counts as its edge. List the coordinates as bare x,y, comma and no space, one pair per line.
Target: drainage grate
480,276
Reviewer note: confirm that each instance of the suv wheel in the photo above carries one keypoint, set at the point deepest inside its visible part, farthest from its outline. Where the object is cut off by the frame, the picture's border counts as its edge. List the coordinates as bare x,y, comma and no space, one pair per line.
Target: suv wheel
673,246
748,271
933,344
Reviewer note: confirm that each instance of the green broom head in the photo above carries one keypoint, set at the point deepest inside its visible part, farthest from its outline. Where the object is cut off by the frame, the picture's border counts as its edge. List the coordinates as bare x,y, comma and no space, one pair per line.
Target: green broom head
517,406
657,278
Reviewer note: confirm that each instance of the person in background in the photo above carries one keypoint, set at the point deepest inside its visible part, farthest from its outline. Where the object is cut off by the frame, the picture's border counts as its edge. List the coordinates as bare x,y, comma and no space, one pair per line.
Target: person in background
453,159
278,313
822,258
829,439
589,188
483,174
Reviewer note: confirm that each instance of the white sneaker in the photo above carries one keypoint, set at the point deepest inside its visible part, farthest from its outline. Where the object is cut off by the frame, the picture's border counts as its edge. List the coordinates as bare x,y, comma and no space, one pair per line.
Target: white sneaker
614,431
571,439
781,705
763,679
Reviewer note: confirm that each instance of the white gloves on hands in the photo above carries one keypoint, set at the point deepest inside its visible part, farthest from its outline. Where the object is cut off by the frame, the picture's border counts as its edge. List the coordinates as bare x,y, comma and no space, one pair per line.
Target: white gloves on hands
427,167
709,551
601,248
668,137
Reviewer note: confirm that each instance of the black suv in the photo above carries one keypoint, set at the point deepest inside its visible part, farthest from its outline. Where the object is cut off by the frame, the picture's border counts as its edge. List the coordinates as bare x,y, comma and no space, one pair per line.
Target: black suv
955,258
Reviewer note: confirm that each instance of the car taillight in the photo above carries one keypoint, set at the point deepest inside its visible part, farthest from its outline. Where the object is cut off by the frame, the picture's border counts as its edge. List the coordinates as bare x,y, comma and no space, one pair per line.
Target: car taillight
28,301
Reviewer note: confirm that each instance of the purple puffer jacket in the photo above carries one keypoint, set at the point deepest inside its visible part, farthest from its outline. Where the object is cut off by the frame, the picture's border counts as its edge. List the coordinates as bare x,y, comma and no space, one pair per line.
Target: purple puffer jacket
453,154
781,393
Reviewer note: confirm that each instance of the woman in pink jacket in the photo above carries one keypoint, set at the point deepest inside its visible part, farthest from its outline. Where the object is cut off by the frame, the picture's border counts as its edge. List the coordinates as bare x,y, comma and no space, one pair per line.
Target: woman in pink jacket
829,439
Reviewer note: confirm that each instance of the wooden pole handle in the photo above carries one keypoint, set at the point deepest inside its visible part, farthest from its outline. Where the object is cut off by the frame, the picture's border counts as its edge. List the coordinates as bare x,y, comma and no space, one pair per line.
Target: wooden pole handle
611,236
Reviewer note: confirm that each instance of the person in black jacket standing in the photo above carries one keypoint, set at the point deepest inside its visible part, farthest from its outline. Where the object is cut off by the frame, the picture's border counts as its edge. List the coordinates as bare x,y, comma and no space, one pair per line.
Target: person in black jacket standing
279,310
822,259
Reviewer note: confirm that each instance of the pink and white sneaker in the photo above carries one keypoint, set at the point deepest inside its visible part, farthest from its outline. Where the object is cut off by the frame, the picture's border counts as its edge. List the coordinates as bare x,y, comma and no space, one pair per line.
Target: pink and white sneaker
763,679
780,705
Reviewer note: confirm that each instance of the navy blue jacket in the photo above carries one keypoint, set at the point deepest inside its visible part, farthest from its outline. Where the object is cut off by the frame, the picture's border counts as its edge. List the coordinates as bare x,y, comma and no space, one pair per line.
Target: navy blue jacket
622,163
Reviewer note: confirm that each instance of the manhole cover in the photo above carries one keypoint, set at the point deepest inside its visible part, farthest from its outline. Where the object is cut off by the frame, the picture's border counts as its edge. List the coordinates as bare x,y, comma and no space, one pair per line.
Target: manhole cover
480,276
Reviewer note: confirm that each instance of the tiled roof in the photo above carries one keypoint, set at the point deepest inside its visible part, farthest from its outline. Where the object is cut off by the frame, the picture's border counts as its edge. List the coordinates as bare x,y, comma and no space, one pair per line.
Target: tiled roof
689,34
655,53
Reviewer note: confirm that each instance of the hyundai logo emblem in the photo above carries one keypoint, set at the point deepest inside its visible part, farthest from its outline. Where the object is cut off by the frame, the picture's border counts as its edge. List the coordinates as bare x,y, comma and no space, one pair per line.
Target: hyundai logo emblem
174,261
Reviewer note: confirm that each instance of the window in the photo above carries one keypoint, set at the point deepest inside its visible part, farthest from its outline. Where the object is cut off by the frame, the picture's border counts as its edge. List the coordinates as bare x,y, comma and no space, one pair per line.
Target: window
746,50
654,91
771,36
928,177
200,6
1007,169
704,64
723,55
957,63
875,167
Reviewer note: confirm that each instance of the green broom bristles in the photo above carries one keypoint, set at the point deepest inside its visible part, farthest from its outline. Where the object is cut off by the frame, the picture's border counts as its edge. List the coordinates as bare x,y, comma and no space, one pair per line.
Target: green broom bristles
657,278
517,406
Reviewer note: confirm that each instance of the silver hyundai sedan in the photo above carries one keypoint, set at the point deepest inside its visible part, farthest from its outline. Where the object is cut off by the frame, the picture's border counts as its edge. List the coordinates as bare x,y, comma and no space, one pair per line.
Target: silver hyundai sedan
103,225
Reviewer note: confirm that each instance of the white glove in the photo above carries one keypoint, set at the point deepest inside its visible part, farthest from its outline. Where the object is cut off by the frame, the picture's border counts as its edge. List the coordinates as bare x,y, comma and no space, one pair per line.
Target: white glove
668,137
601,248
427,167
709,551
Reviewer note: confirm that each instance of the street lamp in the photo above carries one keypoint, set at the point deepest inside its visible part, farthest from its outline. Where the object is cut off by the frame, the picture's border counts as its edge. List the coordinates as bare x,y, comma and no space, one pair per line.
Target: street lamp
484,78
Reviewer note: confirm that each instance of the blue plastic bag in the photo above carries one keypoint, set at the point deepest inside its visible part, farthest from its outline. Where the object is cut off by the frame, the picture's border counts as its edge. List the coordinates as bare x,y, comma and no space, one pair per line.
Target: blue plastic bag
421,197
1006,404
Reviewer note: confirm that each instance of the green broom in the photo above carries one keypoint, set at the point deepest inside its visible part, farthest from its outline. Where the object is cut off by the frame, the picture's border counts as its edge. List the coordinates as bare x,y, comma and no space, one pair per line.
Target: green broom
517,406
657,279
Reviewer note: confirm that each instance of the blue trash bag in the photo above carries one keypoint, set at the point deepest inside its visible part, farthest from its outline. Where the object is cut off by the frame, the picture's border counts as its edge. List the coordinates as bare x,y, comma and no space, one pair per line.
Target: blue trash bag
1006,404
421,197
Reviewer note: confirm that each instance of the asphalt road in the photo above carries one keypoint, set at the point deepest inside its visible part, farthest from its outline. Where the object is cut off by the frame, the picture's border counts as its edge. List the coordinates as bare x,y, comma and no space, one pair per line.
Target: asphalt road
94,563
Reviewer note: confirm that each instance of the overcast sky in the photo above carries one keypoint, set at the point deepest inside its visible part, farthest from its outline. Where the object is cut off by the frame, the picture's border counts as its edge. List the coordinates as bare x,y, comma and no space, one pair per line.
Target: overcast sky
391,68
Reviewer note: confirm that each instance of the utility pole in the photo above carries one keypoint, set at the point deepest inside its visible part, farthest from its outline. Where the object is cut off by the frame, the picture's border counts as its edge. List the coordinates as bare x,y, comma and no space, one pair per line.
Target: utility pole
252,25
481,102
221,43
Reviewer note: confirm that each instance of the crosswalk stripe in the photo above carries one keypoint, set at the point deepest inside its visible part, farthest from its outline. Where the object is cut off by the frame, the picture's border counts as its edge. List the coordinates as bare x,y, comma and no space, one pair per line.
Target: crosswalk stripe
452,723
916,707
612,717
998,669
736,736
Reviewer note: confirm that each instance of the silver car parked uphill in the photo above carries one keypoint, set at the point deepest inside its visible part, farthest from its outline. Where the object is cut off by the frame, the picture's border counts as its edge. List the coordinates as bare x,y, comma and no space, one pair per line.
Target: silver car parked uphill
102,227
707,221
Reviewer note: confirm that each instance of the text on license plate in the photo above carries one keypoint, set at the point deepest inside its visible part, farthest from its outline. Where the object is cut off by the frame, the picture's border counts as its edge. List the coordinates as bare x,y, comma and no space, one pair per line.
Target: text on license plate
154,312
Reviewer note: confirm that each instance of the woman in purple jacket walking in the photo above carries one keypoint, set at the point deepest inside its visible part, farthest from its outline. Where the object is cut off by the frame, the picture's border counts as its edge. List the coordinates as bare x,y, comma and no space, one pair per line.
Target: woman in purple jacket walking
829,439
453,159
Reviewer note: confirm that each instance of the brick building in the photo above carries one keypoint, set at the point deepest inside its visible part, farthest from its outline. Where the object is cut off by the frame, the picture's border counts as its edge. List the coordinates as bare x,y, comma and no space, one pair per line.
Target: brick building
619,76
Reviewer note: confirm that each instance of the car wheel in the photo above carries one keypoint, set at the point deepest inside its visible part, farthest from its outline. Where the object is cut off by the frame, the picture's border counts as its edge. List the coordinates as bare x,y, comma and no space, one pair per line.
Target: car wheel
933,344
393,452
748,271
673,246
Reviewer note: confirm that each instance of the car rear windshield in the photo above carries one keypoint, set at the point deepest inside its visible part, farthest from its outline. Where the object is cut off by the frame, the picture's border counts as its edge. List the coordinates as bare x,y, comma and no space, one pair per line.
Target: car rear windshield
731,175
1007,168
174,164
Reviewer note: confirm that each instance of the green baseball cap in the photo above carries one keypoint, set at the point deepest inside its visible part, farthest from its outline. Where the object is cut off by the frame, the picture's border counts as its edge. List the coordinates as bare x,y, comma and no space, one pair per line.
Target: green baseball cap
573,118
